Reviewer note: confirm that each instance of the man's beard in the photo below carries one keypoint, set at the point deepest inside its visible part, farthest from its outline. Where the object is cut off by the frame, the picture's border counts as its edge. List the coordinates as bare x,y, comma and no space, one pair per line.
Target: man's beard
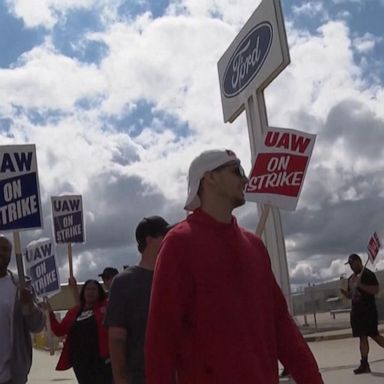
238,202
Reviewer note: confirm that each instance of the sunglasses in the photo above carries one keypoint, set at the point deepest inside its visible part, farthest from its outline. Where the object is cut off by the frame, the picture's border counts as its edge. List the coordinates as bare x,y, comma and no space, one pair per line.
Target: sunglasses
236,168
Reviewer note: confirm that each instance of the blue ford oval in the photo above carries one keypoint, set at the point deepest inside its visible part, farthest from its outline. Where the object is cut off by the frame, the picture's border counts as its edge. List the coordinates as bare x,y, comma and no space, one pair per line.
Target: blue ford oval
248,59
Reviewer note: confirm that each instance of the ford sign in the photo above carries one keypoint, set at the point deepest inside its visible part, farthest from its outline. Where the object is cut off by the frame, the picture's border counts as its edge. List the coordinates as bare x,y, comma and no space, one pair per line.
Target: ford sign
248,58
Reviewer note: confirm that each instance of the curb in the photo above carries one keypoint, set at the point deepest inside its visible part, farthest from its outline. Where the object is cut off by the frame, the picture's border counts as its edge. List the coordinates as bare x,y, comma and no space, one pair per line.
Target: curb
317,337
336,335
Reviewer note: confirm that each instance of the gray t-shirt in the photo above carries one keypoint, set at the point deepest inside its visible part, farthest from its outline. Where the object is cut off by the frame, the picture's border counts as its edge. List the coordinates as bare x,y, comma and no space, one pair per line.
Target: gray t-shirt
128,308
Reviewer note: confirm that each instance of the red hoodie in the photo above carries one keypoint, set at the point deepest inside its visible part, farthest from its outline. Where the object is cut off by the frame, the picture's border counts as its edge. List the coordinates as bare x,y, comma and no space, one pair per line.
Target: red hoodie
217,314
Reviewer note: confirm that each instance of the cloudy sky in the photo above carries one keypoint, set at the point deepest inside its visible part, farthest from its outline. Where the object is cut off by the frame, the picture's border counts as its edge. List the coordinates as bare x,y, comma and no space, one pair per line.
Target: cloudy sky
119,96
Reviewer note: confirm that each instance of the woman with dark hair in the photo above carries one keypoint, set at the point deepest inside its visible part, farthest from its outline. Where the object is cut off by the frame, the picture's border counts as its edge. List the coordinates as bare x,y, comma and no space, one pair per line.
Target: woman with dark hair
86,345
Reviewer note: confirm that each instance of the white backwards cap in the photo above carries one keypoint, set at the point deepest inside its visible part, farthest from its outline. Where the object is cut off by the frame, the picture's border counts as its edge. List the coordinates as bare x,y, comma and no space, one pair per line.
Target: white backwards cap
205,162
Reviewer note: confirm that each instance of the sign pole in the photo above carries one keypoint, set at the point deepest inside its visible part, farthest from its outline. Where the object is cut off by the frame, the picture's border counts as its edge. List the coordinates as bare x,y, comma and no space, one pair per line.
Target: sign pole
263,218
19,259
49,329
70,262
252,61
269,218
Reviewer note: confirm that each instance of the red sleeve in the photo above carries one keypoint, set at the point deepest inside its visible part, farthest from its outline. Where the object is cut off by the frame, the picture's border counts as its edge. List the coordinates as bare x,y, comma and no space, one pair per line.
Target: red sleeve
293,351
61,328
171,286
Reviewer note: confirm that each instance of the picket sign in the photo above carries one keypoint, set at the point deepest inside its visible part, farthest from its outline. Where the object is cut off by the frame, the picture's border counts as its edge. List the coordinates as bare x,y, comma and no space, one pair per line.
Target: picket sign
373,247
280,167
68,223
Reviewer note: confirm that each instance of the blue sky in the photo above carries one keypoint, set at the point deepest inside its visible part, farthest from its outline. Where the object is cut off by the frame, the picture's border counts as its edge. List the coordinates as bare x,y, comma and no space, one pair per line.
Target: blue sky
119,96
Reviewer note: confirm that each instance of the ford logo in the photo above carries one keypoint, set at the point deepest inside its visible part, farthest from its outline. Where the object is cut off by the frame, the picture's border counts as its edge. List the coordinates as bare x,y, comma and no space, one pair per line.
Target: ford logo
248,59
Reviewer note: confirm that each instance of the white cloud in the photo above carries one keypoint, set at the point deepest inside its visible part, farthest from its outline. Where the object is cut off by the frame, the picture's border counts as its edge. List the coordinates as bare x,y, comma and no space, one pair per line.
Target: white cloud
365,43
347,1
33,13
303,273
43,78
170,62
48,13
44,12
335,270
235,13
311,9
322,73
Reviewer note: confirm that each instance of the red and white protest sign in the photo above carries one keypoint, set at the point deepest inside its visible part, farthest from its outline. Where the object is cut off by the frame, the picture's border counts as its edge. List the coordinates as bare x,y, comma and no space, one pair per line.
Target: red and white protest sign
279,170
373,247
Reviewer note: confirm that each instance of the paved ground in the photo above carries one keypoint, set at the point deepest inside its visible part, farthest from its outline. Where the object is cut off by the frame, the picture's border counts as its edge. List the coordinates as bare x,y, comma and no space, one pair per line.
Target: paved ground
336,359
330,341
43,370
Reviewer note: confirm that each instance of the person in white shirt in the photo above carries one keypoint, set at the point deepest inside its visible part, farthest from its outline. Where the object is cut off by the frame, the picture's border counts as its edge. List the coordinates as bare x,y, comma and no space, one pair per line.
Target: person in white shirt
19,315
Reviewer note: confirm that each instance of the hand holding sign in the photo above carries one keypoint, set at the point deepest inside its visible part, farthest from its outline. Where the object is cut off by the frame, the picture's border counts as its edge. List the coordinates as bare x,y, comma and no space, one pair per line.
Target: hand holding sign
25,296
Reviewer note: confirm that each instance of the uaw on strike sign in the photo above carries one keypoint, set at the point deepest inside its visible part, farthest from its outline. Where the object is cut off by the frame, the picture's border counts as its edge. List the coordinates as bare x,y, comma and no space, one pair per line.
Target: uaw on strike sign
279,170
41,267
68,223
20,206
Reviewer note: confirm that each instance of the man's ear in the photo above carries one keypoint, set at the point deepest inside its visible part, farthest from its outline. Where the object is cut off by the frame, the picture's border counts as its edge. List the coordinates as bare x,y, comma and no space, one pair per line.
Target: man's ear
209,178
149,240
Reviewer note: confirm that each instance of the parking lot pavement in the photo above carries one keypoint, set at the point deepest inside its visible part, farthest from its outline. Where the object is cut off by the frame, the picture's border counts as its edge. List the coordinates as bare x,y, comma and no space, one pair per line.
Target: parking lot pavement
43,370
336,359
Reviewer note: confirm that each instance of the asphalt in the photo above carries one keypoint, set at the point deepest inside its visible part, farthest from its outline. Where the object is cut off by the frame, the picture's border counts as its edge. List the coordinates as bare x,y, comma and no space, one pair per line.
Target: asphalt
330,340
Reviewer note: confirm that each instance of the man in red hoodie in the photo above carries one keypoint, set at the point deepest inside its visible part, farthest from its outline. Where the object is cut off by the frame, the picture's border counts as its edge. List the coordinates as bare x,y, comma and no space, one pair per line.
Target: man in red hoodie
217,314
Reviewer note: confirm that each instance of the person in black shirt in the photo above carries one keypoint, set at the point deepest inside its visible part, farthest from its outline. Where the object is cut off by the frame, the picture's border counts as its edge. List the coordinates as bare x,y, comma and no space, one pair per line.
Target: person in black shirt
128,305
362,288
86,345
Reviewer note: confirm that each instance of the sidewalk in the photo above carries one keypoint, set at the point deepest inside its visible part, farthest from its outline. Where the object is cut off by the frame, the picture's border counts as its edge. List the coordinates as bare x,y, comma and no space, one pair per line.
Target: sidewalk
336,360
326,328
43,369
336,353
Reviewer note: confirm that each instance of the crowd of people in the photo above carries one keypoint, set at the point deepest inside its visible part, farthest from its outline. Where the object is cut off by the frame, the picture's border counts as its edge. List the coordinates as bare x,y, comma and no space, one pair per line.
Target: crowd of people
202,305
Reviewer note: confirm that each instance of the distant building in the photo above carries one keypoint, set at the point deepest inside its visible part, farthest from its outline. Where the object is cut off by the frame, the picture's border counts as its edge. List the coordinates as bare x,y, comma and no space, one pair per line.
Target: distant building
326,296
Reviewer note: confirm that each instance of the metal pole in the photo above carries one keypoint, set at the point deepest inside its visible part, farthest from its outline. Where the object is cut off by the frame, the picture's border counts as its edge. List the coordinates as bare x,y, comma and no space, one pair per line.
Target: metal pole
49,329
70,262
313,294
19,259
273,231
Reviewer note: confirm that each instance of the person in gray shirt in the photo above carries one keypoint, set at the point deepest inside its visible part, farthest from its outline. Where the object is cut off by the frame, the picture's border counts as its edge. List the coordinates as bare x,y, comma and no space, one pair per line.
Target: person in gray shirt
19,315
127,310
